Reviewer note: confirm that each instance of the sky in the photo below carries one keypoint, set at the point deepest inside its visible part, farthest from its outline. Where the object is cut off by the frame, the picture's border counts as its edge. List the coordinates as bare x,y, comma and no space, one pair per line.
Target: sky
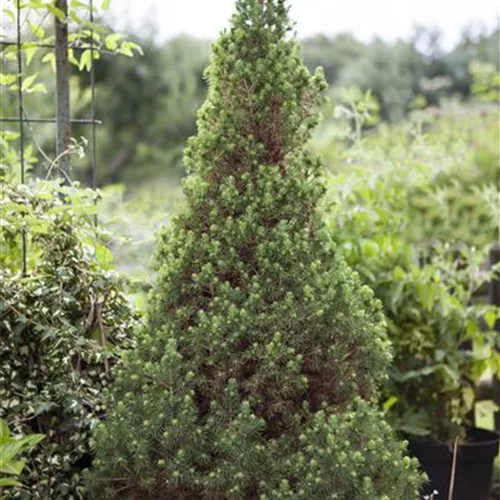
389,19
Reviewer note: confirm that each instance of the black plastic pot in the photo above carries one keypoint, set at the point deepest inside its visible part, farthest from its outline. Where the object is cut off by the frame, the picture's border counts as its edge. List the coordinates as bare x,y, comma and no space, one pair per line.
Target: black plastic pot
474,467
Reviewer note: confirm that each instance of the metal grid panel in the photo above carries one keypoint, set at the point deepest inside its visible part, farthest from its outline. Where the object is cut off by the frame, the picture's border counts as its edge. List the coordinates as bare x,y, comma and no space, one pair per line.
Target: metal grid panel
63,119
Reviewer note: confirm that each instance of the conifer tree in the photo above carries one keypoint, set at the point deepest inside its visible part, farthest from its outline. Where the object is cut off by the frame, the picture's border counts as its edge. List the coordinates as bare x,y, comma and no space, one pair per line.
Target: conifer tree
255,375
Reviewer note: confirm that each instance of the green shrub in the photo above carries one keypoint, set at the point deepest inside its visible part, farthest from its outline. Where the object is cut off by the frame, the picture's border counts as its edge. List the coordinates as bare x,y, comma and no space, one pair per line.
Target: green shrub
440,173
440,352
62,326
459,203
256,373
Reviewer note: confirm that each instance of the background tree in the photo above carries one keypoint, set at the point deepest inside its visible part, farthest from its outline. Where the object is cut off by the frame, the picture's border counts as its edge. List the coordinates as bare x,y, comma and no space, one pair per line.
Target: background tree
474,45
332,53
149,108
392,72
148,105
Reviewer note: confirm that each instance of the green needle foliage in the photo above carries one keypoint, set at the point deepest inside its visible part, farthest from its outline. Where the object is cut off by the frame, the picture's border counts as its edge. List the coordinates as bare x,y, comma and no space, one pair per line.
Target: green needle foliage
255,376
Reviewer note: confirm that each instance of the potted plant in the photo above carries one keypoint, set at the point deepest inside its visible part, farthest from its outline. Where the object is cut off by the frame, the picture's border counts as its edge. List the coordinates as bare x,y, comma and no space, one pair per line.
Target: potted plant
443,340
443,344
256,374
62,327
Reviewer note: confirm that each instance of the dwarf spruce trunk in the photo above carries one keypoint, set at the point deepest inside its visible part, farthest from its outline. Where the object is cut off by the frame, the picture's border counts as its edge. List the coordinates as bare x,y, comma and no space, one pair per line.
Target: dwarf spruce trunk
255,374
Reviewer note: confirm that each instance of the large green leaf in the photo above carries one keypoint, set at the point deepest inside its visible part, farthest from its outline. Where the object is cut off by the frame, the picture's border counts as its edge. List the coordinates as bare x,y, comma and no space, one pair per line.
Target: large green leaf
5,481
10,446
12,467
9,451
4,431
414,430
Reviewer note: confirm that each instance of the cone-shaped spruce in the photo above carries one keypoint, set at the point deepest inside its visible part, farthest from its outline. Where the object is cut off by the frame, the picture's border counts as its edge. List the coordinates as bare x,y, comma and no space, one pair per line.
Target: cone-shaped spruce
253,377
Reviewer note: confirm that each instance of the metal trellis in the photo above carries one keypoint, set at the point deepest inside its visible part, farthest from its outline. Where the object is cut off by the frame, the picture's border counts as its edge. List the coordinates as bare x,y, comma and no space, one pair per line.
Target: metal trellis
62,120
